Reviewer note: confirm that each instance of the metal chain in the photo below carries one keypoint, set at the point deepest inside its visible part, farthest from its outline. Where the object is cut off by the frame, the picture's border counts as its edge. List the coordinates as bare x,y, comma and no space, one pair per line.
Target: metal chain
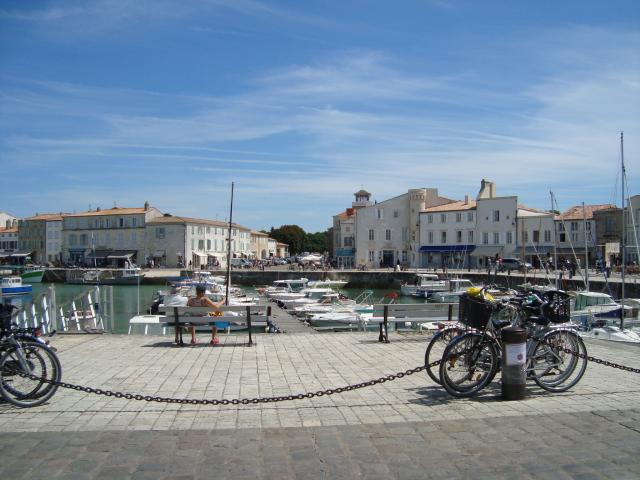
235,401
599,361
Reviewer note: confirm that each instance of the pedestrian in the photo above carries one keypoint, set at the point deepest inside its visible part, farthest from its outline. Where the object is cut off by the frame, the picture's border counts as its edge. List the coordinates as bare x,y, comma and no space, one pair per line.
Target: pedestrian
201,301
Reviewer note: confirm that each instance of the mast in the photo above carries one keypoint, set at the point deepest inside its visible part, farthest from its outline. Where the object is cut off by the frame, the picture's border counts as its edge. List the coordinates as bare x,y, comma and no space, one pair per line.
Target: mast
226,298
622,240
586,247
555,244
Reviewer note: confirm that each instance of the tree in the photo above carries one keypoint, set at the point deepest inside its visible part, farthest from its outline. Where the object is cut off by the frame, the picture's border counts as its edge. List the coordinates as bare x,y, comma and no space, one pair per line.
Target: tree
316,242
292,235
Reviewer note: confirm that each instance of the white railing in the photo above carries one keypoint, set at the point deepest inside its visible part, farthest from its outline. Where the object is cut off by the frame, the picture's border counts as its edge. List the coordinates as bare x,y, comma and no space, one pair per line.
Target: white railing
89,312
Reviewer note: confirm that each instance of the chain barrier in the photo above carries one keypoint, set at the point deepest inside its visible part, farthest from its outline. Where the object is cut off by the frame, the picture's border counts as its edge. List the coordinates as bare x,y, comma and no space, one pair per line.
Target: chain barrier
299,396
235,401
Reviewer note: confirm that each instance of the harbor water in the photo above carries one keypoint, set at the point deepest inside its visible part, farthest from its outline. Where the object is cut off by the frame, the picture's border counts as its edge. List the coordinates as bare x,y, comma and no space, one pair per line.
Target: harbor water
131,300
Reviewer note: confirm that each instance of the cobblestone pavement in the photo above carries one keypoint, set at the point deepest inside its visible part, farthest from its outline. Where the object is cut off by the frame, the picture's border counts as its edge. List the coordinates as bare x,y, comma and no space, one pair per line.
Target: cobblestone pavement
408,428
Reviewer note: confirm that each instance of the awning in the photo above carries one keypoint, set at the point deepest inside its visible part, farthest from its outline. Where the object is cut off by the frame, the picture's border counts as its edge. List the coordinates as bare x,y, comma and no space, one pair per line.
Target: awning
488,251
21,254
447,248
345,252
212,254
121,254
98,255
201,255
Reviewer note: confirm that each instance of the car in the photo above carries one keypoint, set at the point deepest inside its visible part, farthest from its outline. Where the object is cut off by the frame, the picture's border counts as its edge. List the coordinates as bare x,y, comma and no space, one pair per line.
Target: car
509,264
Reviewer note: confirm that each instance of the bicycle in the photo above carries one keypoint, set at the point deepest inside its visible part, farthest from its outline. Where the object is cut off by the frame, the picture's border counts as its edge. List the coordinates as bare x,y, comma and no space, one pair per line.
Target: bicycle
28,367
471,360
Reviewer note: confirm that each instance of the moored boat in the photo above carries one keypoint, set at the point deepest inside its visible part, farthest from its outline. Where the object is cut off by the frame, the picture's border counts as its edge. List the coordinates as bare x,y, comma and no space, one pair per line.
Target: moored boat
14,286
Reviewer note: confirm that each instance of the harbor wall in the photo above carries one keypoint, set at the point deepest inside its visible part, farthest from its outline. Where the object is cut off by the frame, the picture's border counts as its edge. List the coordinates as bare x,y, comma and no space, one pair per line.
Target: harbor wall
388,279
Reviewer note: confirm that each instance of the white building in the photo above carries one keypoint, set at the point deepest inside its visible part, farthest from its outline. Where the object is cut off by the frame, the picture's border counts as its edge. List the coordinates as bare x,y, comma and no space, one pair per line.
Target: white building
41,237
344,231
576,225
193,242
8,239
7,220
447,234
633,230
388,232
110,237
535,235
496,225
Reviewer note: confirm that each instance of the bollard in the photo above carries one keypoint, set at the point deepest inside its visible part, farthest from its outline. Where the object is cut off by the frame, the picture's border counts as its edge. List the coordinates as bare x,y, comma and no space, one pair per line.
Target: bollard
514,358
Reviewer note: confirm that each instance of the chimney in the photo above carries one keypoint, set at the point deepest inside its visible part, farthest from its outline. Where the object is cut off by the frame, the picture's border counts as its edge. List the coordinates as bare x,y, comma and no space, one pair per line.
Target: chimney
98,209
14,223
466,199
146,206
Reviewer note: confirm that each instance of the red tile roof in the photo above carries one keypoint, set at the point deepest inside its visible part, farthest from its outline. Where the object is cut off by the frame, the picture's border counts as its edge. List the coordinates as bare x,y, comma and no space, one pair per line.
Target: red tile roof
109,211
576,212
9,230
48,216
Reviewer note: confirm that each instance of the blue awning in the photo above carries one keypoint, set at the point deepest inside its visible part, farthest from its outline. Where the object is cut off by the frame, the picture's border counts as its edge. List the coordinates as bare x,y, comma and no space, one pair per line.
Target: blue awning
345,252
447,248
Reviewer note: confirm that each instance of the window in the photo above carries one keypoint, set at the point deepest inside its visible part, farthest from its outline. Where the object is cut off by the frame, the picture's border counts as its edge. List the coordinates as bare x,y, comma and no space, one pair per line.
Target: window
208,243
193,244
208,229
536,236
430,237
73,239
443,218
443,237
84,239
574,226
563,237
547,236
574,236
387,235
200,230
429,218
459,236
458,217
372,255
405,235
160,232
470,236
496,238
561,227
496,215
371,235
469,216
348,241
509,238
134,221
380,213
396,214
200,244
485,238
193,230
121,222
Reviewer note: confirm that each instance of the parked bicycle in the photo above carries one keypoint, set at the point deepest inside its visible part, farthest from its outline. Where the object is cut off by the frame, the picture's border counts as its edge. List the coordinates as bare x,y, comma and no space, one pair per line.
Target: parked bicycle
27,364
556,355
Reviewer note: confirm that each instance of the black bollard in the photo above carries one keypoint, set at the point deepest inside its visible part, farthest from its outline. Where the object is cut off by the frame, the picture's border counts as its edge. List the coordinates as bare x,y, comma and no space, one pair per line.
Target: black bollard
514,358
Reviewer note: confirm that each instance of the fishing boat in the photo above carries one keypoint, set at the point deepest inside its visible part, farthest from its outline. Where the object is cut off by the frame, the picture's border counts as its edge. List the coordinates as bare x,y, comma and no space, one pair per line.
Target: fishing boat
32,274
13,286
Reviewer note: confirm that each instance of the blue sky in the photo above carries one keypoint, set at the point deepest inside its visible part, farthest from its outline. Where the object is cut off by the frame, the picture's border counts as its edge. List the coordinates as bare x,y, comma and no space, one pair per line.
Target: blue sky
303,103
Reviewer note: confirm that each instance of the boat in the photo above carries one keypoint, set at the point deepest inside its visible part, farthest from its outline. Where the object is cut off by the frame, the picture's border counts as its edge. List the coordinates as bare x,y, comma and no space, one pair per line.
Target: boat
32,274
279,288
423,285
586,306
333,284
457,286
13,286
612,333
109,276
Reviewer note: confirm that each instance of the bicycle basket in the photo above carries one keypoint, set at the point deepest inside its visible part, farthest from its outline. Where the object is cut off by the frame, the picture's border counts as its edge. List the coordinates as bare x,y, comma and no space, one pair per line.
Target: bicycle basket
474,312
557,306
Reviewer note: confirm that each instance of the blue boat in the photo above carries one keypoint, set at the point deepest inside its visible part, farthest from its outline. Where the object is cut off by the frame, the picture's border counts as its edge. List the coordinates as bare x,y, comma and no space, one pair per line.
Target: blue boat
14,286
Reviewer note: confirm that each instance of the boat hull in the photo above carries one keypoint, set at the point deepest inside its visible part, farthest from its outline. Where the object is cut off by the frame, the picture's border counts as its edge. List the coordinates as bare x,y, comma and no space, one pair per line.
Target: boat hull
22,290
34,276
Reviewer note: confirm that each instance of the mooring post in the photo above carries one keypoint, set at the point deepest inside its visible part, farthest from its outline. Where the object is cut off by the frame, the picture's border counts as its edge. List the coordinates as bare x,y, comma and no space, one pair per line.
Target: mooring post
450,312
249,325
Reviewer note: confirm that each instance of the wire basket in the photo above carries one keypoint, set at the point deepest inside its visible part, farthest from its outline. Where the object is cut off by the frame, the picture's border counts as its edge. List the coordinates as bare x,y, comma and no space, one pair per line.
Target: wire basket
474,312
557,307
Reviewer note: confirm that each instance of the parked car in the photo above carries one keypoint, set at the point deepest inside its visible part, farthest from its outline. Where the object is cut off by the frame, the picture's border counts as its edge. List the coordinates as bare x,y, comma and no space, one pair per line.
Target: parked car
514,264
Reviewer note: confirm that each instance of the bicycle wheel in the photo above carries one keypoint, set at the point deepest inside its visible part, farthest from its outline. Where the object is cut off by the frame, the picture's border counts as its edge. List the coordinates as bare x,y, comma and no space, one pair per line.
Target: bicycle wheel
41,363
469,363
435,348
552,367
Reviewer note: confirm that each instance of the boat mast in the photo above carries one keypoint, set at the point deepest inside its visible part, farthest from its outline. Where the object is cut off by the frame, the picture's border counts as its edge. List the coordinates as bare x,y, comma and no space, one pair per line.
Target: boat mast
622,241
586,247
555,244
226,298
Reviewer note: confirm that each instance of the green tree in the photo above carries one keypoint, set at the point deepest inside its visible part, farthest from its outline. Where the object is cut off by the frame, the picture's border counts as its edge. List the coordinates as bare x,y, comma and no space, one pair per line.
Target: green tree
292,235
317,242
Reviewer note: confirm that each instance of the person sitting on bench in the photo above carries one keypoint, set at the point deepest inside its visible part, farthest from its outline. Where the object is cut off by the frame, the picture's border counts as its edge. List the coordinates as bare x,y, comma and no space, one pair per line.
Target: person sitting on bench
201,301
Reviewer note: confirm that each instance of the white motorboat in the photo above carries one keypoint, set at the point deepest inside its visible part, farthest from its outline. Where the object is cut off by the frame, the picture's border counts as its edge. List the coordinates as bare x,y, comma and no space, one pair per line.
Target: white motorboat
586,306
424,284
14,286
285,286
309,295
612,333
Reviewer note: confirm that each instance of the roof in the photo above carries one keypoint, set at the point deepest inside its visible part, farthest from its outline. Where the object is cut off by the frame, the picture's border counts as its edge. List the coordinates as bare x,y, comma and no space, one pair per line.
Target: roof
452,206
528,212
362,192
9,230
109,211
184,220
576,212
48,216
256,233
533,210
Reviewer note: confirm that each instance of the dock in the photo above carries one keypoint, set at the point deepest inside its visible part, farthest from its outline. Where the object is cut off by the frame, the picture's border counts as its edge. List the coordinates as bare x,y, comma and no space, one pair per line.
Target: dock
406,428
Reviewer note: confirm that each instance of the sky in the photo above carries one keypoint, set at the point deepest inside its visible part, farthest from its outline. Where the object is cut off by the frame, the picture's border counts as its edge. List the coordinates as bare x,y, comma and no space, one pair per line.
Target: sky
301,104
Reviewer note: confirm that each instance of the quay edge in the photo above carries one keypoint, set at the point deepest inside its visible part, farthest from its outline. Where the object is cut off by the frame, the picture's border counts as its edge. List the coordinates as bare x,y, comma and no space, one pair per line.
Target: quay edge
381,279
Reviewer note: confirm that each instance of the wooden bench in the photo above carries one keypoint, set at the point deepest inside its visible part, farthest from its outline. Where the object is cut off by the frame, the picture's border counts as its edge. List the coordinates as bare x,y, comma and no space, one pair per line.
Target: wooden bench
414,313
241,315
